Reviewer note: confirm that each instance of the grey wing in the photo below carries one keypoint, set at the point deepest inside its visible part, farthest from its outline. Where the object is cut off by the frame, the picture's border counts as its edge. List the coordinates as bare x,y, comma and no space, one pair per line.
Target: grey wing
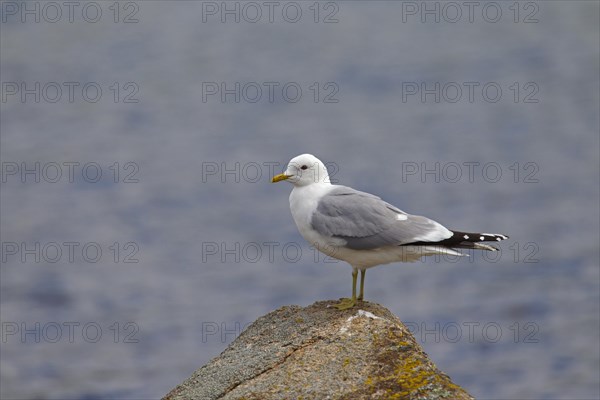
365,221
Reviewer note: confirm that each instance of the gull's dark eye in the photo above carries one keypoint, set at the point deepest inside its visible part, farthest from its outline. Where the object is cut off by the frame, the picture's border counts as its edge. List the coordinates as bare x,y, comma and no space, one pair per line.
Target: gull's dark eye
303,167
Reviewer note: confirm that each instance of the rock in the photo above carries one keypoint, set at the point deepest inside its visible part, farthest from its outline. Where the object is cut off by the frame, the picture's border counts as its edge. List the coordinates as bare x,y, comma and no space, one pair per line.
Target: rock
319,352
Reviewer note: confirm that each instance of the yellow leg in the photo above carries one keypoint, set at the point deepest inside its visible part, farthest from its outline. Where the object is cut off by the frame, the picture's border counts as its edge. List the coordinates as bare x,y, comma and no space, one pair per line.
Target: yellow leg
346,303
361,294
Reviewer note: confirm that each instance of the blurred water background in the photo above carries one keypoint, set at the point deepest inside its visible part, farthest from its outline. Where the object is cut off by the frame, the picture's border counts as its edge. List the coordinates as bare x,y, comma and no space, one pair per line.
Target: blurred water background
185,179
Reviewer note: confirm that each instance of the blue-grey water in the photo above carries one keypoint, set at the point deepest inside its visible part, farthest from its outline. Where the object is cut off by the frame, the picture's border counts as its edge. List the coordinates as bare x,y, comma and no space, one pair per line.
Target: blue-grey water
483,117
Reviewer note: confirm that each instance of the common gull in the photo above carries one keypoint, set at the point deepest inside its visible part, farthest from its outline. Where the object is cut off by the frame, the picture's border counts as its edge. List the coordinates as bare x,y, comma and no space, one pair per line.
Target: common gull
362,229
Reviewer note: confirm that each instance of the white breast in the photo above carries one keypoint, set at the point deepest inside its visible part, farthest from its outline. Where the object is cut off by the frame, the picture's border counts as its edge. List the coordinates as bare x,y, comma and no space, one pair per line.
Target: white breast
303,203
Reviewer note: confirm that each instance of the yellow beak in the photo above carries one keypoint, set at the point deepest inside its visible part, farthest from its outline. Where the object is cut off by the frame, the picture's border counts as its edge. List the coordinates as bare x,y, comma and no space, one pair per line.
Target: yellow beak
280,177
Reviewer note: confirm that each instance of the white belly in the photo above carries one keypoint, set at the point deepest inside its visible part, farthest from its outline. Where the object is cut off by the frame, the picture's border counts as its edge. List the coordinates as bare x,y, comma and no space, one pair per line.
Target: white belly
363,259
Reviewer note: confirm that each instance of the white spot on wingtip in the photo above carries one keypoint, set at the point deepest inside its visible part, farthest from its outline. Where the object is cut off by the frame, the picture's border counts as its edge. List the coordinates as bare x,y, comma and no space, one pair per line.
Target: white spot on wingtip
481,237
496,235
466,236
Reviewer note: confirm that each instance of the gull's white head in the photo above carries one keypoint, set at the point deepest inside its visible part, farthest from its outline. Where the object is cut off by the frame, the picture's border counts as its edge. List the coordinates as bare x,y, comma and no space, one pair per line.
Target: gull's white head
303,170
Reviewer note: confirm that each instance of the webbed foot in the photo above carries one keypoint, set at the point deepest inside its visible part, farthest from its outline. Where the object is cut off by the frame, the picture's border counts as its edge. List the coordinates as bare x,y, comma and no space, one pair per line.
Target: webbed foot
345,304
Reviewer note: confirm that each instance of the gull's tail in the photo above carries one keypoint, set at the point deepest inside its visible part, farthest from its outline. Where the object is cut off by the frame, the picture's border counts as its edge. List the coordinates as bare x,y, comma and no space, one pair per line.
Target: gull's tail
469,240
465,240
